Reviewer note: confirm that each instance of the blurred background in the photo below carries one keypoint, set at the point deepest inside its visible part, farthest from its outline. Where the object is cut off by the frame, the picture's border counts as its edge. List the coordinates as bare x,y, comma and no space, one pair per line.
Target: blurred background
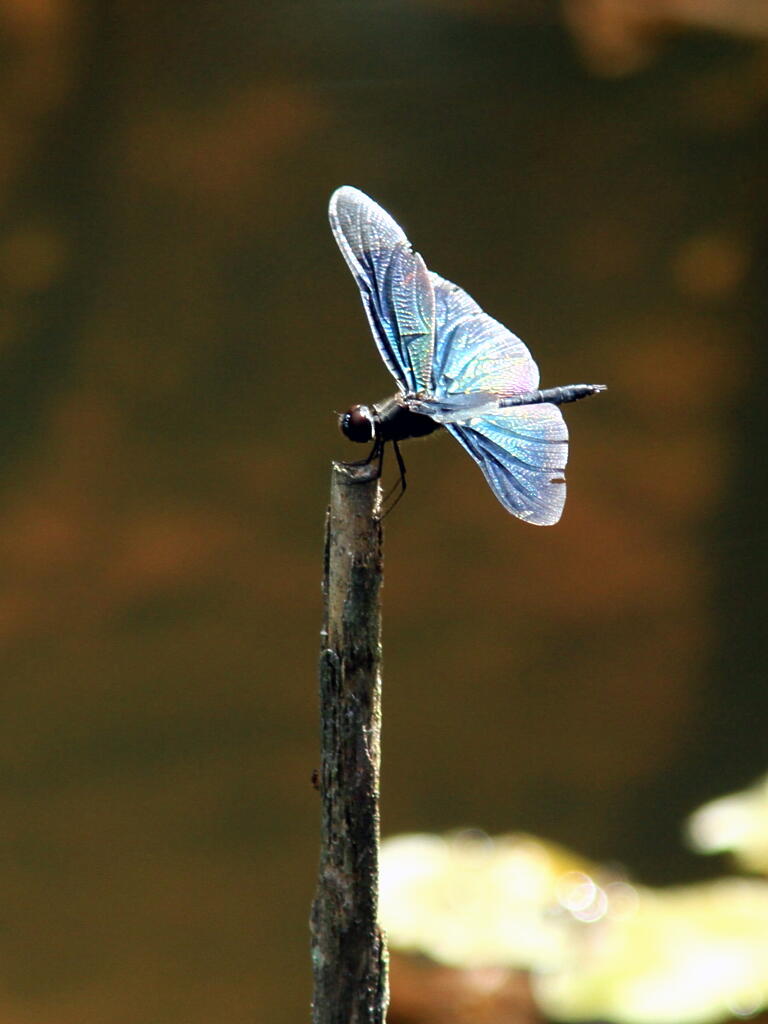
177,328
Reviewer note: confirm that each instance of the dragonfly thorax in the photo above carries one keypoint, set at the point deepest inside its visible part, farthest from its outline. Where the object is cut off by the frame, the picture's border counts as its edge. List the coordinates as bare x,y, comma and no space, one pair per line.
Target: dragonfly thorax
390,420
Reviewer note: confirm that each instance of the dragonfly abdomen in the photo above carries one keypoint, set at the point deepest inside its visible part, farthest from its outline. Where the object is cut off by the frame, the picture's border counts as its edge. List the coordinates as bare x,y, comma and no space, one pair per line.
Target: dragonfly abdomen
557,396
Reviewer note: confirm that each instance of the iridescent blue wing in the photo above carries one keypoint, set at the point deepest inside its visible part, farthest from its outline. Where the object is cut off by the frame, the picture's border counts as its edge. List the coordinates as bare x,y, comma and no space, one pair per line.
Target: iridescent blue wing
394,283
522,452
474,352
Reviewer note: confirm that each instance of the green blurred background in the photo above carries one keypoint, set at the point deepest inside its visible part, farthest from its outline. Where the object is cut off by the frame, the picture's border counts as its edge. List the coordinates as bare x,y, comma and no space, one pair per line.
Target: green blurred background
176,329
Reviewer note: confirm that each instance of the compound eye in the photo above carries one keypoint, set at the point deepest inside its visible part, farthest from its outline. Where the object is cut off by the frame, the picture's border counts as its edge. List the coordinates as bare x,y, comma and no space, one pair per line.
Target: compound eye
356,424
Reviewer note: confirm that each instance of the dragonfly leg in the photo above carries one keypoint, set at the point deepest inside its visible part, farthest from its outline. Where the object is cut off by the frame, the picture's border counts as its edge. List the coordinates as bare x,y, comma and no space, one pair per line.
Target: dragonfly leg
376,452
402,482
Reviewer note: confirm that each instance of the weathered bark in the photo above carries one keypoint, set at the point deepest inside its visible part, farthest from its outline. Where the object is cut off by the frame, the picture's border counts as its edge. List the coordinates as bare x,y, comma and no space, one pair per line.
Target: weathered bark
348,953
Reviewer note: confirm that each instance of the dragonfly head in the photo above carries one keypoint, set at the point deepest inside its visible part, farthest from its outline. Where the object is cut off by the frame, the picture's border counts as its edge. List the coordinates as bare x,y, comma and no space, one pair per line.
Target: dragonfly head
358,424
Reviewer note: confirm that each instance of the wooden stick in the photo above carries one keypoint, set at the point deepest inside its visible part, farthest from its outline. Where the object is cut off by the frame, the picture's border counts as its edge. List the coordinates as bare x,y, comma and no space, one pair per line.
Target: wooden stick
349,958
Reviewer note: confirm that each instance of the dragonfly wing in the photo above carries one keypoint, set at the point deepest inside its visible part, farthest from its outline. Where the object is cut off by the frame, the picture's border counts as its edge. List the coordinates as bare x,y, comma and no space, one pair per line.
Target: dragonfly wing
474,352
522,451
394,283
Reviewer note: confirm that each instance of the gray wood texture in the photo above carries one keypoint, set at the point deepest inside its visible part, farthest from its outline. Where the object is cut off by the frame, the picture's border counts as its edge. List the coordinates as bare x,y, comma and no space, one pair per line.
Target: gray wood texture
349,957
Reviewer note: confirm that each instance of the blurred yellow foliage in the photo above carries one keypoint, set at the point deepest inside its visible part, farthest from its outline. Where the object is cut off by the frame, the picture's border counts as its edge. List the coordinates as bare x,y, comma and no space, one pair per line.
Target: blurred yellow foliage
597,946
736,824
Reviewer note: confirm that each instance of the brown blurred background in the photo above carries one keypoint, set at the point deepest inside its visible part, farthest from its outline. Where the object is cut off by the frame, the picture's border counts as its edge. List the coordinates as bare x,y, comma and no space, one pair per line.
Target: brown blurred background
176,329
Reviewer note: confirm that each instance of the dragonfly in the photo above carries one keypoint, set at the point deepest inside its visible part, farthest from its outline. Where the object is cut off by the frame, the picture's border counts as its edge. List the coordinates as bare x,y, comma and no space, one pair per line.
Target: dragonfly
455,367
